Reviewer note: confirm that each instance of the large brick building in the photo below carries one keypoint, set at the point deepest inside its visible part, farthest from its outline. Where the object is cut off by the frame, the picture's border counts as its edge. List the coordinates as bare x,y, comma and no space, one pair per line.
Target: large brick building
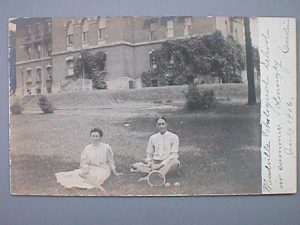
46,47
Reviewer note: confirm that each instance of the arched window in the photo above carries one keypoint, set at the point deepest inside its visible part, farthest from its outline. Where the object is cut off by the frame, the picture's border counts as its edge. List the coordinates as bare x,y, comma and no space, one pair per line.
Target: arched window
38,74
153,63
38,81
28,72
70,66
49,72
85,31
70,33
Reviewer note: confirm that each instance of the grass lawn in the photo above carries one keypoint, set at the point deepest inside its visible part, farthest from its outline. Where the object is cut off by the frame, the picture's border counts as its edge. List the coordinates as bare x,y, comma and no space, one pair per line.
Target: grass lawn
219,148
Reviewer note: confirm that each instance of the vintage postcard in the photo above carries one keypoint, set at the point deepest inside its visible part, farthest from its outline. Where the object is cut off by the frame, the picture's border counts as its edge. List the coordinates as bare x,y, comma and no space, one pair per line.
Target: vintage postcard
152,106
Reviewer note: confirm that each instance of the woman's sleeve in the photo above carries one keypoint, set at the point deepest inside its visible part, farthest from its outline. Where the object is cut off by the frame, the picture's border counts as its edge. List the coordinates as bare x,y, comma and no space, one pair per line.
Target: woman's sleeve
110,159
84,159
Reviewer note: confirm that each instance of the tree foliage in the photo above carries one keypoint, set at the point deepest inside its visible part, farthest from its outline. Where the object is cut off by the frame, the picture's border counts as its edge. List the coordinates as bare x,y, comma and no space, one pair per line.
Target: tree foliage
91,66
181,61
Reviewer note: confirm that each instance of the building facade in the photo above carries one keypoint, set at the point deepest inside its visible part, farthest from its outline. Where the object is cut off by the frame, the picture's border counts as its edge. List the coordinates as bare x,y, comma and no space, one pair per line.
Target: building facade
46,48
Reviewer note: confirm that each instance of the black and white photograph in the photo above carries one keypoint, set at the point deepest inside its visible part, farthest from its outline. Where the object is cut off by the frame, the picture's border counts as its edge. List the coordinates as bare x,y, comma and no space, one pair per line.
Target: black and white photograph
152,106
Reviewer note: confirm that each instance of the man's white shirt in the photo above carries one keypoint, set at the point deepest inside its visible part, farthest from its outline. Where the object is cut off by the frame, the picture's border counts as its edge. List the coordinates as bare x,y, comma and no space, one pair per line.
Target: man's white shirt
162,146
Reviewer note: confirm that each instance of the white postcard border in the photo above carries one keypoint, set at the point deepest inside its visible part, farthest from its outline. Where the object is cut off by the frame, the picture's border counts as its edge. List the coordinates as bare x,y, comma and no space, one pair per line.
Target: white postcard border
277,48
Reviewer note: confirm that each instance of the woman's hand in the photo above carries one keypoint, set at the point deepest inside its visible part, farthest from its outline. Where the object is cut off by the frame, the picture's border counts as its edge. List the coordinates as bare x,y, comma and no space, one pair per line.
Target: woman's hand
83,173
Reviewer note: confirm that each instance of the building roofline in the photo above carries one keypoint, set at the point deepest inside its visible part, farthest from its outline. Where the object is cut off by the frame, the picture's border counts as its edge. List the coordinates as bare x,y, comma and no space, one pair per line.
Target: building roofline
21,19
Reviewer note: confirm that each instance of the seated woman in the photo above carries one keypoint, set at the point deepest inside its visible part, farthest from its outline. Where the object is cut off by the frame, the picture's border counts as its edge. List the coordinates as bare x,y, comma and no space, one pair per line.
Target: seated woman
96,164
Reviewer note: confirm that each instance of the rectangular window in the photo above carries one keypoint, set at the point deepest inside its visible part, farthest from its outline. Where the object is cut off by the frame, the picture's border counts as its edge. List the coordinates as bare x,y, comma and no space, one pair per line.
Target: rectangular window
28,52
70,39
49,27
152,29
48,47
187,26
170,29
38,51
28,32
70,35
38,91
231,26
38,30
101,33
49,52
85,37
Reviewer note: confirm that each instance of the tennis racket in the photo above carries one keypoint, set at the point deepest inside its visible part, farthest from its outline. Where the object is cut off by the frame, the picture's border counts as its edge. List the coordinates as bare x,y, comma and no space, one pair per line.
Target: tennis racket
156,178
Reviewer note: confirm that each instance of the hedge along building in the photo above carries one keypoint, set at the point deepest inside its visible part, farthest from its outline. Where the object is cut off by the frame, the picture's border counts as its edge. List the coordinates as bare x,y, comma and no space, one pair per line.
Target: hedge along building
46,48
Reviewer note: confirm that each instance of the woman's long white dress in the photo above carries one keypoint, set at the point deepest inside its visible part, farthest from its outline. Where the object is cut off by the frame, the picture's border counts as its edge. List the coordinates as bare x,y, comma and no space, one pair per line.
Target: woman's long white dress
96,164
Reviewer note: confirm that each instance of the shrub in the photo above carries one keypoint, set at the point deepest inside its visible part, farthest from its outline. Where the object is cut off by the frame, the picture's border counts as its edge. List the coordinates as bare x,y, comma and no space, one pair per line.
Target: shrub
98,80
199,99
45,105
16,108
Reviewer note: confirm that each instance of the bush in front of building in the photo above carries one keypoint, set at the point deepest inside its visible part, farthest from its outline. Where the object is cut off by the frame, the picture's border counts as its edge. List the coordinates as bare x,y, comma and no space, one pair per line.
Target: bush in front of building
98,79
199,98
154,78
45,105
16,108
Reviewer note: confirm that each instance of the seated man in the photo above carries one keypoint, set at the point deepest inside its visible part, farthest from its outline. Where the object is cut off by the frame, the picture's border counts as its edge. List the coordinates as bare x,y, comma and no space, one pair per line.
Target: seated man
162,151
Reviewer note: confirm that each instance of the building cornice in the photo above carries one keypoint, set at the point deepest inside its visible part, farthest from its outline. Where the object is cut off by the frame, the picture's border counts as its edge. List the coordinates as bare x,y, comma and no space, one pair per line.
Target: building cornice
33,61
125,43
130,44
